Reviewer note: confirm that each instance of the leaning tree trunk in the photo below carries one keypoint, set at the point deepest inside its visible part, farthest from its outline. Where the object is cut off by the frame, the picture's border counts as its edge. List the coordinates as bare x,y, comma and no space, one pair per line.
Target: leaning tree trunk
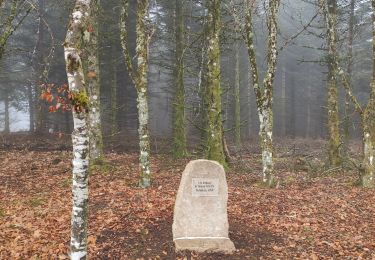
179,122
92,71
77,30
139,77
214,136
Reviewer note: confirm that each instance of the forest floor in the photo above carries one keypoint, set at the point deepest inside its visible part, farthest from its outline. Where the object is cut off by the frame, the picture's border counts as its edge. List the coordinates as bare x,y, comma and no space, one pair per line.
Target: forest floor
314,213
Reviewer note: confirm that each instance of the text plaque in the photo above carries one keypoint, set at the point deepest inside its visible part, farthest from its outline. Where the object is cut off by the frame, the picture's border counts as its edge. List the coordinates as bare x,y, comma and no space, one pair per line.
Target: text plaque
203,187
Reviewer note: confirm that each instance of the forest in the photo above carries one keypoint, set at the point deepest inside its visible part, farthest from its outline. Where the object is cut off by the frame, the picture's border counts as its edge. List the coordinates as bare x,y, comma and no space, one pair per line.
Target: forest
105,106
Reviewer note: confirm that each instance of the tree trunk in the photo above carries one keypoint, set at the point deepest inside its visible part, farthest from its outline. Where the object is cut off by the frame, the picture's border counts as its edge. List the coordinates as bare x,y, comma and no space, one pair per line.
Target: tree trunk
264,94
114,108
265,135
78,28
179,129
332,104
214,145
347,121
92,71
40,77
139,77
367,179
6,114
144,138
249,105
283,102
308,113
31,107
237,131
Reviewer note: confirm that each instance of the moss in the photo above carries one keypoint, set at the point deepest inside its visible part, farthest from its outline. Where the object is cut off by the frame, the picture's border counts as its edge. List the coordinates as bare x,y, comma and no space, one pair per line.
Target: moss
101,165
36,202
80,101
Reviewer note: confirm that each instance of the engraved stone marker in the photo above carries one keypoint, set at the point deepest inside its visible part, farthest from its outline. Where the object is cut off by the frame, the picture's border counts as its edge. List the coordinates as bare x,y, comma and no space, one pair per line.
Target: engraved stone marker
200,221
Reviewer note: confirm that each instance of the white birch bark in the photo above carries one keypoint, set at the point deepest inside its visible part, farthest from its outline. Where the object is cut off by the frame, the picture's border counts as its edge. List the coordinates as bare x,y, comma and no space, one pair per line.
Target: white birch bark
77,30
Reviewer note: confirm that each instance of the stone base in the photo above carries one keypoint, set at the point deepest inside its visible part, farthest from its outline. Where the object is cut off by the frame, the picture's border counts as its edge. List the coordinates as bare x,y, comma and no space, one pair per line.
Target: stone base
205,245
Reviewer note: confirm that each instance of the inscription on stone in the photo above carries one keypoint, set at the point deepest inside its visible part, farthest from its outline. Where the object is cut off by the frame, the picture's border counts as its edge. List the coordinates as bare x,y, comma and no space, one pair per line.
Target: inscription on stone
202,187
200,220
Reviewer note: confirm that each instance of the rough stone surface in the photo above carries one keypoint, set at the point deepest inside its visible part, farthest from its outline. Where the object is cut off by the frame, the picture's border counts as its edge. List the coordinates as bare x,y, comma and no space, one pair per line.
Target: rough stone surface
200,221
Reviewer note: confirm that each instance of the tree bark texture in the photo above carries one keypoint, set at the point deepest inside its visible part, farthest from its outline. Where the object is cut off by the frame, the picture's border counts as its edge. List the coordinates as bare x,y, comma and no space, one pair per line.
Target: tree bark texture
92,71
139,77
264,93
179,122
78,30
214,137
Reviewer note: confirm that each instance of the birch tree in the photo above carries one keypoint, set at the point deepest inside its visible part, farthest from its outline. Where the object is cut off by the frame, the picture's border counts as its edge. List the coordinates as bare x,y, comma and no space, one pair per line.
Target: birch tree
139,78
78,32
212,96
264,92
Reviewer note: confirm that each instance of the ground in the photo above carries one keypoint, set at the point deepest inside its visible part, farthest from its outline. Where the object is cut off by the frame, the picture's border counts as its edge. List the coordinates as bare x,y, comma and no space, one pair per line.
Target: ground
313,213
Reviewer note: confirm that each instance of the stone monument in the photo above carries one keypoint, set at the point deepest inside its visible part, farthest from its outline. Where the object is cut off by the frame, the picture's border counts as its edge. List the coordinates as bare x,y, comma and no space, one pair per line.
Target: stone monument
200,221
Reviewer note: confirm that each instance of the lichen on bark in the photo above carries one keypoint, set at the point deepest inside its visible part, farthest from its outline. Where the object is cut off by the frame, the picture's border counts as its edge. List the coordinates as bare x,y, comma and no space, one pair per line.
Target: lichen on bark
139,78
367,114
92,71
214,135
80,137
264,92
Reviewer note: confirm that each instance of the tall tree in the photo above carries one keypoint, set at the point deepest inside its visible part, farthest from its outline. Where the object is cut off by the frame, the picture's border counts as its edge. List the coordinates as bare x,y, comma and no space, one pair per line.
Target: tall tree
350,72
93,83
139,78
6,113
79,30
264,92
40,71
237,100
212,96
330,13
367,114
179,122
